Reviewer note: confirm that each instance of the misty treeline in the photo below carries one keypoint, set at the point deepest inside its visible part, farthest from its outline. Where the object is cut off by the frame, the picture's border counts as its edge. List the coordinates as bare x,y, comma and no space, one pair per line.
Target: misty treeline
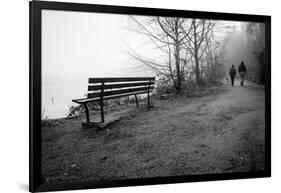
191,49
255,36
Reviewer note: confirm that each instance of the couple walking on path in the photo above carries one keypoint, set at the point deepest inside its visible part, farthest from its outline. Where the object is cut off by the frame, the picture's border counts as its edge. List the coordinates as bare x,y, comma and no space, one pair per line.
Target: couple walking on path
242,71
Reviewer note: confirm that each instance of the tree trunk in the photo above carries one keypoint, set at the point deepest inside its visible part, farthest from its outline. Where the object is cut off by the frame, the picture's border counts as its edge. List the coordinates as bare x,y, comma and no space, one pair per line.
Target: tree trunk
197,68
177,60
177,57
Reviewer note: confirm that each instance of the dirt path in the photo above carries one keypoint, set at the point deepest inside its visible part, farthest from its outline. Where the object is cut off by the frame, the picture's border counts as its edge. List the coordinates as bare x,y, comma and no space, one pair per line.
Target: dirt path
181,136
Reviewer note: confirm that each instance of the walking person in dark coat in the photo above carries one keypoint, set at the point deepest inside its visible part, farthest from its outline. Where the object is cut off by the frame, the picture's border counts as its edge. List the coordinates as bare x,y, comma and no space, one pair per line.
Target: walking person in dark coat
242,71
232,74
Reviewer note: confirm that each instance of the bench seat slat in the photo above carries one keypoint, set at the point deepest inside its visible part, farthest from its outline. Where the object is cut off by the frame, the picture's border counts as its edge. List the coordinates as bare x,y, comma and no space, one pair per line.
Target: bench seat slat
116,92
97,99
121,85
120,79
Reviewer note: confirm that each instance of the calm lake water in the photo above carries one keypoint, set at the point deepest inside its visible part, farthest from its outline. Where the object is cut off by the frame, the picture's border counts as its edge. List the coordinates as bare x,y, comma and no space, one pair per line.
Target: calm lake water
56,99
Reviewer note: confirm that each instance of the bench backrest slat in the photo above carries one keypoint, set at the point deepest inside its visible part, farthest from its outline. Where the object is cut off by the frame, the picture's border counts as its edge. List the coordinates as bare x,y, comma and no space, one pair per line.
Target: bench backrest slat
120,79
121,85
121,91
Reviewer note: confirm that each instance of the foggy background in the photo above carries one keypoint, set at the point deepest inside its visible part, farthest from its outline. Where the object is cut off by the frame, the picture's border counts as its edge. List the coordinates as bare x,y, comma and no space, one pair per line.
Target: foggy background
76,46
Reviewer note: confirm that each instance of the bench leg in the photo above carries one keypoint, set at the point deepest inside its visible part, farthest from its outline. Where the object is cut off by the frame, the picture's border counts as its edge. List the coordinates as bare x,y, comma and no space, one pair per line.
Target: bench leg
87,112
137,102
101,111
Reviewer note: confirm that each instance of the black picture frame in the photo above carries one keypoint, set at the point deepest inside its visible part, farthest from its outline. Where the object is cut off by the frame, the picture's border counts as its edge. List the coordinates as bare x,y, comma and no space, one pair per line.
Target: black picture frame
35,8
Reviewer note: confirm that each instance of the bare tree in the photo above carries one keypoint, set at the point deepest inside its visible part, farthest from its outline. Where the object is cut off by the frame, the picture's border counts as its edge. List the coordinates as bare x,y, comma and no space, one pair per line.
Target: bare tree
168,34
191,50
196,41
213,56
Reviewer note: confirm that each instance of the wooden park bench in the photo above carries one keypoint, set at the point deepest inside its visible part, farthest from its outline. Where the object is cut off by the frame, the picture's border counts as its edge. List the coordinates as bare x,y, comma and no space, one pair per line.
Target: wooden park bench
101,89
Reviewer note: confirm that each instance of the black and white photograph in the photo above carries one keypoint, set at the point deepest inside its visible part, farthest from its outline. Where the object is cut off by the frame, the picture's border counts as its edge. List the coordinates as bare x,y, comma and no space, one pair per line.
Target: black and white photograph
127,96
140,96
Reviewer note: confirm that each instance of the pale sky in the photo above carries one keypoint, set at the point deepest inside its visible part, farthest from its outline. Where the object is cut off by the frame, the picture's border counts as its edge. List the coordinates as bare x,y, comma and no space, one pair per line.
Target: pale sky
78,45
